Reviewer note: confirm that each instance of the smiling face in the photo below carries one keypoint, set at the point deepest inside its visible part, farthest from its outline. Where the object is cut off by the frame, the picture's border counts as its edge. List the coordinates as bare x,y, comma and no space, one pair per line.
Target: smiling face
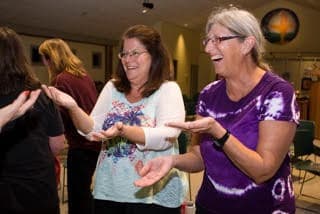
224,49
136,61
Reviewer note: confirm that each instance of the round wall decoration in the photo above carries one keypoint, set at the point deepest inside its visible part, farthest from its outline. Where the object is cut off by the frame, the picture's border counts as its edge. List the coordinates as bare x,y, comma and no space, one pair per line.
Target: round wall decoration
280,25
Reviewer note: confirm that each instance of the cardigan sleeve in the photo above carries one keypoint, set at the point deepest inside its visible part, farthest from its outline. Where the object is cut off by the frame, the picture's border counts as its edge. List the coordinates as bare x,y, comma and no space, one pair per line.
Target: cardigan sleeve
170,107
99,110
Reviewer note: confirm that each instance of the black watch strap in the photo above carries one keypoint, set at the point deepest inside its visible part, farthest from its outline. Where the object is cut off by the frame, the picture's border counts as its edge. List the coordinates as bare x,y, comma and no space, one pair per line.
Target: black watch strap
219,142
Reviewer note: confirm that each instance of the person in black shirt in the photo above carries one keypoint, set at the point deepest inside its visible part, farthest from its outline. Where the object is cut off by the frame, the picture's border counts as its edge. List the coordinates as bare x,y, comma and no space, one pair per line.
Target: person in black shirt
27,175
18,107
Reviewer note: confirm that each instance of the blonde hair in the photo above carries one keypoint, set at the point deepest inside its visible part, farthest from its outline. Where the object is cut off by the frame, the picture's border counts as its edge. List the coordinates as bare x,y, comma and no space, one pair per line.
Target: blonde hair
244,24
61,58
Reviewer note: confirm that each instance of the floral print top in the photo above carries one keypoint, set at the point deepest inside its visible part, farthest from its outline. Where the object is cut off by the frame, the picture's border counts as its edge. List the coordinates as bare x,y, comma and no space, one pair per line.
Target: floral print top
115,172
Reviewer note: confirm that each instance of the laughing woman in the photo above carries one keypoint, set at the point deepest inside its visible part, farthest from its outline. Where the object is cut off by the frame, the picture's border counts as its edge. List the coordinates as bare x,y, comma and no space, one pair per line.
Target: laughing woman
130,117
244,127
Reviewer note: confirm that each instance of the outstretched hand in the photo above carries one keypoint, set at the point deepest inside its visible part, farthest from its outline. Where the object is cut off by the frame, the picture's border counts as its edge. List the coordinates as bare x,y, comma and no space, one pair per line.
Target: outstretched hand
202,125
110,133
153,170
19,106
59,97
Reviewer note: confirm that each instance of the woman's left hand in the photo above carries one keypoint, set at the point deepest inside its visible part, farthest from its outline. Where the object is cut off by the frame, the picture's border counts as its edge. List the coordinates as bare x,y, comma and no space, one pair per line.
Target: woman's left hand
201,125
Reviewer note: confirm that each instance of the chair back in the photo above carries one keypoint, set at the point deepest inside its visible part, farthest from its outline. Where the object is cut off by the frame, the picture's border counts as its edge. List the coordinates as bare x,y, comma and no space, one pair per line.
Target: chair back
304,137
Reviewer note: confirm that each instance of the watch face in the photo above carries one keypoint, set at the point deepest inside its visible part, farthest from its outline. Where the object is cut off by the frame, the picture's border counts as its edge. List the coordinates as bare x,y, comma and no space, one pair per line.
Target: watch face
217,144
221,141
280,26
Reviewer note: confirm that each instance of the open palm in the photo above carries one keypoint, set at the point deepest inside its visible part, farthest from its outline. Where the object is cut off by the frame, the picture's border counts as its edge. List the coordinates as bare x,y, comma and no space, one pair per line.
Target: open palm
153,170
59,97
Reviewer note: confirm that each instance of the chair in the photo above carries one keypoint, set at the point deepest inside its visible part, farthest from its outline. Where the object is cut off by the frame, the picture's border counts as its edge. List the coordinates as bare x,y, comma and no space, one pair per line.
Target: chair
303,148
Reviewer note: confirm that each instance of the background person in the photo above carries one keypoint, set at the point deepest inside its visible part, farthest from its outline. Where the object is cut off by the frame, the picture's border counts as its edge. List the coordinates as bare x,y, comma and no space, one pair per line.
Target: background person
28,143
129,117
68,74
245,124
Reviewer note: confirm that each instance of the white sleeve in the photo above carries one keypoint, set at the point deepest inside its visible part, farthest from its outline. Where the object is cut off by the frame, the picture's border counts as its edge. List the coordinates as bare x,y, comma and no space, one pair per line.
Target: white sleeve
99,110
170,108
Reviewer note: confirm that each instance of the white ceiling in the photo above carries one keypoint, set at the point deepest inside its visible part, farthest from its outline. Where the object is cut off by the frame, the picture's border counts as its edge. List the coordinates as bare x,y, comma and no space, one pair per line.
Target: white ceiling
105,20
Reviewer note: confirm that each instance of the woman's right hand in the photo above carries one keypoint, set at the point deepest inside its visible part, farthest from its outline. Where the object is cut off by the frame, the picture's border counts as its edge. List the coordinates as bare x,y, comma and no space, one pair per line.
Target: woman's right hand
59,97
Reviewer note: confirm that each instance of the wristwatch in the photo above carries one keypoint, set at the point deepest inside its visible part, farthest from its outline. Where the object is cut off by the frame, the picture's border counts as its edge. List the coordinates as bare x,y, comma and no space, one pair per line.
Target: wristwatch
219,142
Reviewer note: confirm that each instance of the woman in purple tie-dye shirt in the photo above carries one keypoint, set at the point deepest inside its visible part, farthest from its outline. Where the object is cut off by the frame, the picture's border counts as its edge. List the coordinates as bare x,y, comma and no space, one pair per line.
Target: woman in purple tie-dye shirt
244,126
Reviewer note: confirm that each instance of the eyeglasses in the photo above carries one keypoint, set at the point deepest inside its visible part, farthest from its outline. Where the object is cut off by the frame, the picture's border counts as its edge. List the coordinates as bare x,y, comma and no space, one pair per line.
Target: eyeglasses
134,53
218,39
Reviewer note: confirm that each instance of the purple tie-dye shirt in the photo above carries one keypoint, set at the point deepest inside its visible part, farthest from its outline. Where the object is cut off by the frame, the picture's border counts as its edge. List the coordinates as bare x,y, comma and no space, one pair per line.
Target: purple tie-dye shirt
225,189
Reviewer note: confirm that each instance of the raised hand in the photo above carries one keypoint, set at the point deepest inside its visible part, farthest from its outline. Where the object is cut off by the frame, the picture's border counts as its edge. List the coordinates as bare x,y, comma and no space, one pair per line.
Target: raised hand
25,102
59,97
153,170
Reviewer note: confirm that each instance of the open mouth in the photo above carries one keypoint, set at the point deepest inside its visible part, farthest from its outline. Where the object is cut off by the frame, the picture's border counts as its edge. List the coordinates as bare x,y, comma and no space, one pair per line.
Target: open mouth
131,67
216,58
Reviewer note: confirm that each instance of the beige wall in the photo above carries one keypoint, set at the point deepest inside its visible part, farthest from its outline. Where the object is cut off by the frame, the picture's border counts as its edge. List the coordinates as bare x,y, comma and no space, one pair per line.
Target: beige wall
184,46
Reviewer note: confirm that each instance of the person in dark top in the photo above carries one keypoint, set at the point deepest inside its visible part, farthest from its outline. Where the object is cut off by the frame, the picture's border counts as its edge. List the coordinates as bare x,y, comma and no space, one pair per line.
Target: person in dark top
18,107
27,179
67,73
